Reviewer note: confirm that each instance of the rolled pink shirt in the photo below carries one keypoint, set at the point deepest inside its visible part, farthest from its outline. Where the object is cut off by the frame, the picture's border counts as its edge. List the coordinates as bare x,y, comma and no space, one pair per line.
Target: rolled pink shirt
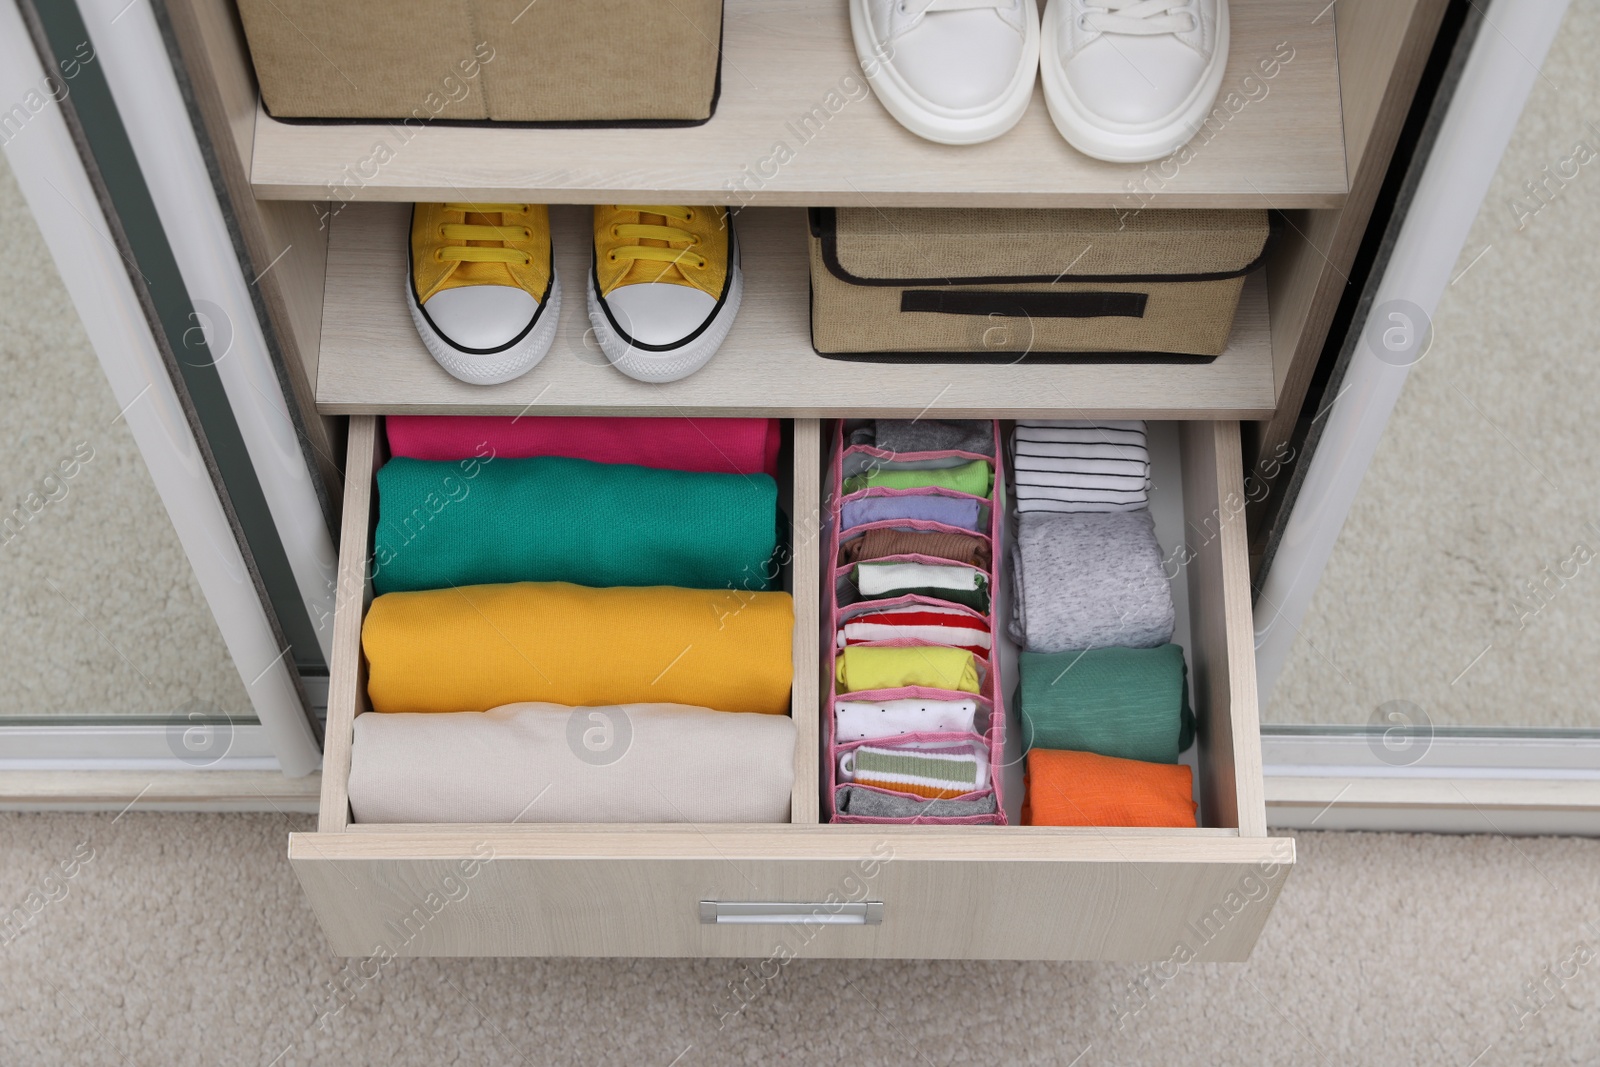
710,446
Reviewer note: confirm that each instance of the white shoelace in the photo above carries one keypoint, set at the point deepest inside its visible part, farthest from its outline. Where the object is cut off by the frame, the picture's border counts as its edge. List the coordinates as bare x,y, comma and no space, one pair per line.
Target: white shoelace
1139,18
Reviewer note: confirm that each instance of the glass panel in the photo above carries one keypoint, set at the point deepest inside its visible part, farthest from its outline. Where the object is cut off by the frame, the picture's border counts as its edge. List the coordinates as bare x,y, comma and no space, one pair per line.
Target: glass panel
1467,579
103,616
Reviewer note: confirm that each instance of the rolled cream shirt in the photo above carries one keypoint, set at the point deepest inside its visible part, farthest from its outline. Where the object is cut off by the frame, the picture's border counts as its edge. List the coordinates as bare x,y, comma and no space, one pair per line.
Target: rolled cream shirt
547,763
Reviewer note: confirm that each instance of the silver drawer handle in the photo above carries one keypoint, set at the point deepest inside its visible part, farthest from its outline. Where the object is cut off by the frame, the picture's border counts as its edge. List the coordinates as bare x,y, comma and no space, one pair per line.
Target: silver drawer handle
864,913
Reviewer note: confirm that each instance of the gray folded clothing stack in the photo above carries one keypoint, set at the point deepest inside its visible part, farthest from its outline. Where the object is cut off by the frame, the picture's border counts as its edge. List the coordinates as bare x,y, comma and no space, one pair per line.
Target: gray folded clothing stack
1089,580
1073,466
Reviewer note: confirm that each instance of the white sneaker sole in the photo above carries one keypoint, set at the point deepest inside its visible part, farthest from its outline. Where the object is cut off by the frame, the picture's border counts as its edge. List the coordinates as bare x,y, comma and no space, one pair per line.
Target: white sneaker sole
940,124
1117,142
500,365
669,364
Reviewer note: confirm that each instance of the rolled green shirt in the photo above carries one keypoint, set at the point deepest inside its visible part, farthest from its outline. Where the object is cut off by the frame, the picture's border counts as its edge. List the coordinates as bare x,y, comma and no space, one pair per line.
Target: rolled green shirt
1130,703
551,519
970,478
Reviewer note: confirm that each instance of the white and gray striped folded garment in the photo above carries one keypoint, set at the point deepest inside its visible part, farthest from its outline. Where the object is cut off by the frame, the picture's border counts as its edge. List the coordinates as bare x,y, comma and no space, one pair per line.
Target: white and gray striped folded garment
1077,465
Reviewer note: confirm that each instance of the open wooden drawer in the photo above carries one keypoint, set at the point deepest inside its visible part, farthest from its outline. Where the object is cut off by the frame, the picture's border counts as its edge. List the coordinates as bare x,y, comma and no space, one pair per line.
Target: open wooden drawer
808,889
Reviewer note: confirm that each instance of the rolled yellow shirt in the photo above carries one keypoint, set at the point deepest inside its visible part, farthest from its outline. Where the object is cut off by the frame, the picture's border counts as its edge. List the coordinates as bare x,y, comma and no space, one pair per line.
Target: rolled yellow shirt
863,667
477,647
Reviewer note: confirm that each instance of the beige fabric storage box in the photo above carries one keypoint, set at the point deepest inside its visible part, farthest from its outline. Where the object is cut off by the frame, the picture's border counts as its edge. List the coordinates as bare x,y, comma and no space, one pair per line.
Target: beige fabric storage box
1003,284
554,61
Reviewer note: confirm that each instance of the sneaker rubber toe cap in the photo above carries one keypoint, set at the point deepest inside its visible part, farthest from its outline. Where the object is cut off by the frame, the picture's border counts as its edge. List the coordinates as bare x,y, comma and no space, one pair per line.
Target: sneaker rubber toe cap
481,317
659,313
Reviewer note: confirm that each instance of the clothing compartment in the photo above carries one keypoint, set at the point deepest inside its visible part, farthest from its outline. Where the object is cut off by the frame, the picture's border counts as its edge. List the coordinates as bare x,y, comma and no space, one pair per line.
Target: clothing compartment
578,620
913,719
1098,637
1008,623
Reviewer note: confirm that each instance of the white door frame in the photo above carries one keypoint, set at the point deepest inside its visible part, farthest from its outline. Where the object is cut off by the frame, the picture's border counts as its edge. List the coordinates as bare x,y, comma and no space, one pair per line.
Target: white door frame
1412,776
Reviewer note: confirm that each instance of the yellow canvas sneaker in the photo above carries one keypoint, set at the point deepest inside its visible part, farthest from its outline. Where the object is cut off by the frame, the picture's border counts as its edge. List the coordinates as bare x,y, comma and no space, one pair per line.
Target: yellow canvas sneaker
482,287
664,287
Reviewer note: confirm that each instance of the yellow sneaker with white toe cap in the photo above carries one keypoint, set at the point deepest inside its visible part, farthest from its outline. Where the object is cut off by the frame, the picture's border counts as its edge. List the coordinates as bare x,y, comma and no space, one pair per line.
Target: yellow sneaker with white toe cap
482,287
664,287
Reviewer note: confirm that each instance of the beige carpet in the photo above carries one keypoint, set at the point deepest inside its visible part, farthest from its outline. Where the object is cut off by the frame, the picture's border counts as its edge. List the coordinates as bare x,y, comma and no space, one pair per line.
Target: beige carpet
103,614
1467,578
184,939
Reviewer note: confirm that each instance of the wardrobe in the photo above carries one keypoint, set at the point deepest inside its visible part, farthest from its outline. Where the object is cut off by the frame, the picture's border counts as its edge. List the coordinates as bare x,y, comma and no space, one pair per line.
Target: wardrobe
1312,143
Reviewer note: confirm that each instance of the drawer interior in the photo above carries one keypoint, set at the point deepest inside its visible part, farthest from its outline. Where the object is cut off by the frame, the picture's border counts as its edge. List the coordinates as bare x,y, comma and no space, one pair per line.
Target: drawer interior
1189,514
1167,508
1194,506
796,564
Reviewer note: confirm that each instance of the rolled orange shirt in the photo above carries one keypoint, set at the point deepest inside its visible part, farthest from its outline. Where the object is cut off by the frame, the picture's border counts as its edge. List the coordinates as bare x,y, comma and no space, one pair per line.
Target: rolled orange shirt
1083,789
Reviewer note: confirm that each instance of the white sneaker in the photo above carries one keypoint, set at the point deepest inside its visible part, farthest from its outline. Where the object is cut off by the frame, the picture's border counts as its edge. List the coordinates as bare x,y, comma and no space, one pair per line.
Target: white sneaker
482,288
953,71
1129,81
664,287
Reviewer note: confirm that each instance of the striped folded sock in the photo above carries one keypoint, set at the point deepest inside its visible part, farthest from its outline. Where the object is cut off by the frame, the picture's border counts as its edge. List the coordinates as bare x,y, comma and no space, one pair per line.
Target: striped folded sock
923,623
933,773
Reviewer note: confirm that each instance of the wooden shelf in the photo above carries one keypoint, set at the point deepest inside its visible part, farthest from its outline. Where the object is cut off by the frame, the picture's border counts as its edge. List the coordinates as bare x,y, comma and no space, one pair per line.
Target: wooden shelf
372,361
1282,145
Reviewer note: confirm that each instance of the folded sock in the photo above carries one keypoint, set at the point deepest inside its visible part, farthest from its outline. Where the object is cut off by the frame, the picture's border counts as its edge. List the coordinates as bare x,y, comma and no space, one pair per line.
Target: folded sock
481,646
959,511
1089,581
864,667
933,770
550,519
936,435
711,446
549,763
861,720
871,804
1129,703
972,478
924,623
953,582
887,541
1083,789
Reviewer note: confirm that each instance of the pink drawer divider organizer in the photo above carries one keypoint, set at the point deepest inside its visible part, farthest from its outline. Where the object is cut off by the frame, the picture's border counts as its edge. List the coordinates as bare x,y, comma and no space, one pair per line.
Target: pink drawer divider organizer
989,698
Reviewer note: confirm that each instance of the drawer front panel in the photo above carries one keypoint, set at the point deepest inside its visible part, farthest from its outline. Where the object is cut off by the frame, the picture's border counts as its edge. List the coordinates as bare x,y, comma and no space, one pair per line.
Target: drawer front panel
945,897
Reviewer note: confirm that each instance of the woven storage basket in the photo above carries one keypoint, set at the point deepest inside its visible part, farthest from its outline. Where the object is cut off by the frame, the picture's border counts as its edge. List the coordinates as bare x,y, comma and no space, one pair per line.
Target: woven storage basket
1005,285
422,61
